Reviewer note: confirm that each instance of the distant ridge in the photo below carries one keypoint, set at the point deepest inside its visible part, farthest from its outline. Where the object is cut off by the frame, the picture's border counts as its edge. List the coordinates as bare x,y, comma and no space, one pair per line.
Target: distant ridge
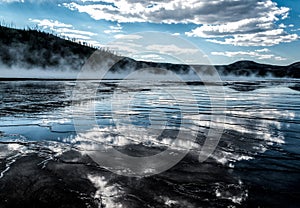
248,68
30,48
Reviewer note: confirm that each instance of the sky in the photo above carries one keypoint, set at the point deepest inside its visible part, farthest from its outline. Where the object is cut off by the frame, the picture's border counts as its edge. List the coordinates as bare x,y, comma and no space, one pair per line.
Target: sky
225,31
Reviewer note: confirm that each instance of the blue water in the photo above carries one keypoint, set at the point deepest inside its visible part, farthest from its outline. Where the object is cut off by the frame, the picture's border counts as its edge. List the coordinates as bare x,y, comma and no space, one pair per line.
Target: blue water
256,162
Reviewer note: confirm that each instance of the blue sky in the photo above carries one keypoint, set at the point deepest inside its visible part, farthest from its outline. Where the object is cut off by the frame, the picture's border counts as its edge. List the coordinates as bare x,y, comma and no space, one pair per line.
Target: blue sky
265,31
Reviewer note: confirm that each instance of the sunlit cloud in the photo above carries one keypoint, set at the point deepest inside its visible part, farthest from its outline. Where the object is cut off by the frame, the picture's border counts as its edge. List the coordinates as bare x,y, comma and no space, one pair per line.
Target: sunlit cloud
260,54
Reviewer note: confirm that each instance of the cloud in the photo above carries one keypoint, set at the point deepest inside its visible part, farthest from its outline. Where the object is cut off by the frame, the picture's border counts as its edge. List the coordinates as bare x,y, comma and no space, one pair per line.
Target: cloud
114,29
63,29
147,57
260,54
171,49
259,29
244,26
160,47
128,37
266,38
234,22
282,25
175,11
11,1
49,24
67,30
262,50
123,46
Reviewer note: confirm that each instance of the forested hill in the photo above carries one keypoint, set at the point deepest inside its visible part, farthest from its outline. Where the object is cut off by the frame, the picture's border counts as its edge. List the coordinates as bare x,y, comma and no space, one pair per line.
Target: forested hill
35,49
29,48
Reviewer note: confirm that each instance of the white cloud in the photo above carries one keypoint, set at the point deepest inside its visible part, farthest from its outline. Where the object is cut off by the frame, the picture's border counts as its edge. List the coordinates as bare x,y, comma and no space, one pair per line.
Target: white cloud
128,37
114,29
157,47
63,29
124,47
262,50
294,30
11,1
167,11
232,20
49,24
147,57
285,26
244,26
266,38
171,49
258,30
279,58
282,25
73,31
260,54
103,11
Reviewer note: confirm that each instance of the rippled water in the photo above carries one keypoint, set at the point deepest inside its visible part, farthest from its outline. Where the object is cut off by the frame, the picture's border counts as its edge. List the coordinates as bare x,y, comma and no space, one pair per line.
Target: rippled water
256,162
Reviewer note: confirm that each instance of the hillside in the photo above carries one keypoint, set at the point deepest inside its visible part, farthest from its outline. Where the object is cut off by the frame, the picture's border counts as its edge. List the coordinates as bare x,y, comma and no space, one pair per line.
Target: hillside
35,49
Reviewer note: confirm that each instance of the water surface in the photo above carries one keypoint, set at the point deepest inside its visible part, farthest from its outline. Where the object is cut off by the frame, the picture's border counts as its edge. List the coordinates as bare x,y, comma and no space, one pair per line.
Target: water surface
256,162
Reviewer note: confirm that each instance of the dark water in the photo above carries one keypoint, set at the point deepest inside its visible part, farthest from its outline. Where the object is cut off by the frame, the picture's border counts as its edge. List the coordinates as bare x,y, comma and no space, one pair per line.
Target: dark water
44,162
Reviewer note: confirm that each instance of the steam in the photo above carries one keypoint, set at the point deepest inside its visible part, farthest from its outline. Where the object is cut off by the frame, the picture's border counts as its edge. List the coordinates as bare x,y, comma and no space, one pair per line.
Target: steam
66,72
36,73
115,67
